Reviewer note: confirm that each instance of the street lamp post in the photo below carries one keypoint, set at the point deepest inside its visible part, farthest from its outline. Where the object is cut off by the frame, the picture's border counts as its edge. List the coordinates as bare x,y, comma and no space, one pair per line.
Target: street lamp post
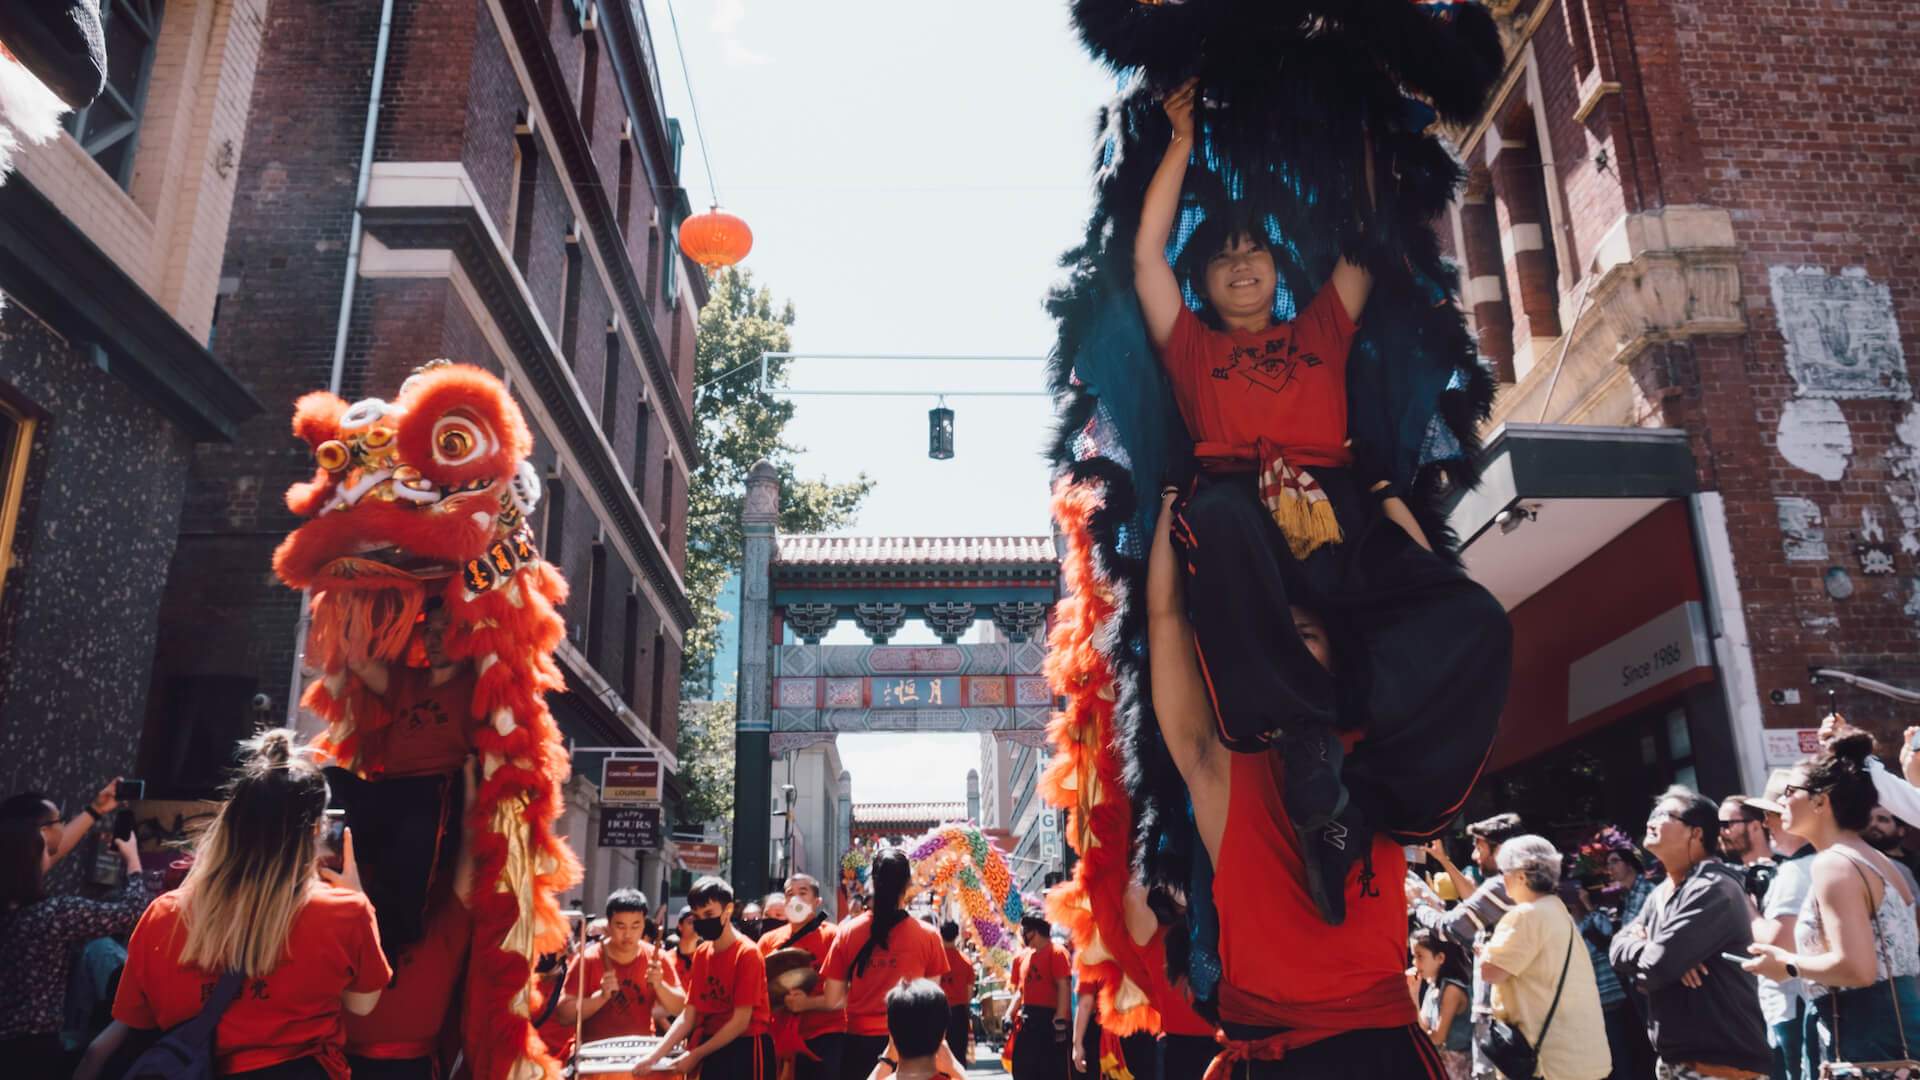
787,792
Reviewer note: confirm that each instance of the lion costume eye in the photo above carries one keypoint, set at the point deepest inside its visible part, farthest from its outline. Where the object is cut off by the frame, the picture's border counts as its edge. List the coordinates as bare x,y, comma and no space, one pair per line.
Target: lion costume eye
458,440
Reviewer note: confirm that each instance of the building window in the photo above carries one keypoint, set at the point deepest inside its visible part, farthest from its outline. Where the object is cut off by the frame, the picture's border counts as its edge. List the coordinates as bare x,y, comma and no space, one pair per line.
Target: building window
589,84
640,425
570,301
630,650
653,259
555,534
610,386
666,501
16,445
670,259
526,175
623,196
109,128
657,706
597,606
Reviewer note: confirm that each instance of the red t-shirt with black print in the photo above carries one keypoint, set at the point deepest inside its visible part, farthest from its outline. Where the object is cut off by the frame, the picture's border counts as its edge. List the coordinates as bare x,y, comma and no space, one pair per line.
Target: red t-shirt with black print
726,979
913,951
630,1011
1286,385
294,1012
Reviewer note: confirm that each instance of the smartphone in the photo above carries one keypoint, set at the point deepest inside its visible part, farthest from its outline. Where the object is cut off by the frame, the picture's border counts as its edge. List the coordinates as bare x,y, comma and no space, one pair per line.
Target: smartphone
333,841
1735,957
123,825
131,790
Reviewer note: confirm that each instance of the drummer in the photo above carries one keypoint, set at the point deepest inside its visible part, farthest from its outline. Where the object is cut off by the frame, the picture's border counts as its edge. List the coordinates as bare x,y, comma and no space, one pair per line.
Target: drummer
626,975
726,1020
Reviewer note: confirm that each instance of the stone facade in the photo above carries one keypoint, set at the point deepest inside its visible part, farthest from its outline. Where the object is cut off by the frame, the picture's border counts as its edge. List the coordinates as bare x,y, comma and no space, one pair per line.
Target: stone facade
1712,208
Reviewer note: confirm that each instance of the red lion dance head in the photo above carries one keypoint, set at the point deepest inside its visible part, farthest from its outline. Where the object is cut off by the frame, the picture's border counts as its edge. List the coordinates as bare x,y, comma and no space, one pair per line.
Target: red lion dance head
420,499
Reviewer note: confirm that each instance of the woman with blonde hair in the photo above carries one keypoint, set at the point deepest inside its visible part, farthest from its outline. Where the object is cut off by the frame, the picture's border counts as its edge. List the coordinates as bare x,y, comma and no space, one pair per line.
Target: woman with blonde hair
258,904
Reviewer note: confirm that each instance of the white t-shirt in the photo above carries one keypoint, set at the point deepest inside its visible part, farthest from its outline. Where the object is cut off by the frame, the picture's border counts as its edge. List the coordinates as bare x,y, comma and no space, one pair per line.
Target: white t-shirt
1785,896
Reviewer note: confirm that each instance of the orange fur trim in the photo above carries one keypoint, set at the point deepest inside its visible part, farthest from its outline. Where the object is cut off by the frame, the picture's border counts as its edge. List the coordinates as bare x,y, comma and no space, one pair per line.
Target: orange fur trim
316,417
1085,779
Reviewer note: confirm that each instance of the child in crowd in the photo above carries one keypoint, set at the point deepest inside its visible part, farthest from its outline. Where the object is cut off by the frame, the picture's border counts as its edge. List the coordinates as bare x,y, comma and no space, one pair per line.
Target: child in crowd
1446,1012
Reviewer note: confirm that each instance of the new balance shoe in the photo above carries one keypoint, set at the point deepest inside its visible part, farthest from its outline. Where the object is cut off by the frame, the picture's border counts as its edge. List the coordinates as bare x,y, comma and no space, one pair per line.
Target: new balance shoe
1329,852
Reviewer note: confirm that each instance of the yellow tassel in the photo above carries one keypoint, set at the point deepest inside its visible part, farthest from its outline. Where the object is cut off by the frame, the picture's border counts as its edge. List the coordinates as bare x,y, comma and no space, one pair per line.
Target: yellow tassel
1306,523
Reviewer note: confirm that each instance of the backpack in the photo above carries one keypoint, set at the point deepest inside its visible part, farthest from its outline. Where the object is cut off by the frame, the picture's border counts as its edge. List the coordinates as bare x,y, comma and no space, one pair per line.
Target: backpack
186,1051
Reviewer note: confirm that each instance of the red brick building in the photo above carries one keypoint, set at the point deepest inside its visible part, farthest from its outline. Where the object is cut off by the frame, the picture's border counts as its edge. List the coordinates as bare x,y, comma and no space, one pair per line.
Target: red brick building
1689,246
519,211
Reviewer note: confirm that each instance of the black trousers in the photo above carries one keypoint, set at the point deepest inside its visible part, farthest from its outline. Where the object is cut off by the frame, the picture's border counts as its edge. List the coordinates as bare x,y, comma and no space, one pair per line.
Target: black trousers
749,1057
828,1049
1186,1057
1422,654
1403,1053
1036,1056
1141,1053
406,833
859,1053
959,1026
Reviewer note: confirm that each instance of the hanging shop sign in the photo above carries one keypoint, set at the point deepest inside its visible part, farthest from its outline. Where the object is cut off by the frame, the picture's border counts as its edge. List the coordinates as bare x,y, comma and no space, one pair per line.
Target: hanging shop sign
630,780
696,858
1668,645
631,827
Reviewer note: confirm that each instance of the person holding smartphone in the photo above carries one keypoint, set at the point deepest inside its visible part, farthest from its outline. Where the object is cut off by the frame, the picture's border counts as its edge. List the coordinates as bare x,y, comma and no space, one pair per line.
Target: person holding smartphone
37,933
60,833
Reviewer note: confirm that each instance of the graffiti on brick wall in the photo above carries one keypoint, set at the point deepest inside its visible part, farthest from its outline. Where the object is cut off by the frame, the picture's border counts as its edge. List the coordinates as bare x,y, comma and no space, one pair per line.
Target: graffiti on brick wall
1842,340
1815,437
1802,532
1903,461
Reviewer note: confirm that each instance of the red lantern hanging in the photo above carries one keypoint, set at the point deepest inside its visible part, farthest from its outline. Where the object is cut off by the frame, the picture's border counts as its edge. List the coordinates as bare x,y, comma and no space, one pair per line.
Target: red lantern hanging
715,239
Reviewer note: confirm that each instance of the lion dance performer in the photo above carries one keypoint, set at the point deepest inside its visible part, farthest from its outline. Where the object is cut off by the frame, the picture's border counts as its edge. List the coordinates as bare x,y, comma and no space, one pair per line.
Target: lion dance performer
433,632
1305,124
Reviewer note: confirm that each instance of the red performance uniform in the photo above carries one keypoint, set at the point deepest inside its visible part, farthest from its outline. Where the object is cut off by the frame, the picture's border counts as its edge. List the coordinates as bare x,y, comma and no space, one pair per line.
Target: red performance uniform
295,1012
958,981
412,1012
913,951
630,1010
818,943
429,732
1285,386
1037,977
683,966
724,980
1284,966
1176,1012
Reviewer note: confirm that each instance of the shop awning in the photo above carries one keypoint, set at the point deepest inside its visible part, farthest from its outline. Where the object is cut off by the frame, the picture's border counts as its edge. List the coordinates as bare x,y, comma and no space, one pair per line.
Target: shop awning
1551,495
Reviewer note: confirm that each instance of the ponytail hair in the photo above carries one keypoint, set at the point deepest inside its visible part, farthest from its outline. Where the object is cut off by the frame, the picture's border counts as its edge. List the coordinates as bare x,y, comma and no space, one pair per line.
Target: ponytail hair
891,874
254,866
1842,775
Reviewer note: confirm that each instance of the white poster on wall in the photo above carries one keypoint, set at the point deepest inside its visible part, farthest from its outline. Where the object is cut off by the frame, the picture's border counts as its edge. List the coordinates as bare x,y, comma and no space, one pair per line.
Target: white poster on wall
1790,746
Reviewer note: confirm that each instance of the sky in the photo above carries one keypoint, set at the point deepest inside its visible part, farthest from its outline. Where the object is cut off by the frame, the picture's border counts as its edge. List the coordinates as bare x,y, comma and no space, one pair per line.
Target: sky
911,173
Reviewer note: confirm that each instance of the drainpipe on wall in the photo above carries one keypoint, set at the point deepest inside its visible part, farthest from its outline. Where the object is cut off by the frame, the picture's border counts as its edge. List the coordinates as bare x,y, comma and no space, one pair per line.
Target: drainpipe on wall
336,374
1727,626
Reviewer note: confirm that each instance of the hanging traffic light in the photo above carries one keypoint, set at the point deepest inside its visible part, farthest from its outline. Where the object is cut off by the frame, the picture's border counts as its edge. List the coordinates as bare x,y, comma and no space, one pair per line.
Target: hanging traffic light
940,432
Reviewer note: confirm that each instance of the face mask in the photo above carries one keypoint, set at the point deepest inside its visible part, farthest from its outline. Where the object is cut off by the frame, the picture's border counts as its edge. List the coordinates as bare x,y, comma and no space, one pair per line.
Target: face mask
708,929
799,911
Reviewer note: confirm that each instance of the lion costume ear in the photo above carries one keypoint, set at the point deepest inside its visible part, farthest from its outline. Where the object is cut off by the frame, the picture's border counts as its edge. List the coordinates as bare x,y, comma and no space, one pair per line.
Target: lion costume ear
316,417
459,424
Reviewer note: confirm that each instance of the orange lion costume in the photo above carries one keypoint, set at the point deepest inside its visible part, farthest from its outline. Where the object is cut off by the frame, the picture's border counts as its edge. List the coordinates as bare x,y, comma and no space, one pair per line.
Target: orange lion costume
422,503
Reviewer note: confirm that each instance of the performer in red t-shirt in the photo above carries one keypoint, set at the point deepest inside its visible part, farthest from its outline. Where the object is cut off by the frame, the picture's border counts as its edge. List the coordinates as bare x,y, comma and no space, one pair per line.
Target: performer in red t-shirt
1288,514
957,984
874,953
307,949
1297,998
1041,979
805,926
612,988
727,1017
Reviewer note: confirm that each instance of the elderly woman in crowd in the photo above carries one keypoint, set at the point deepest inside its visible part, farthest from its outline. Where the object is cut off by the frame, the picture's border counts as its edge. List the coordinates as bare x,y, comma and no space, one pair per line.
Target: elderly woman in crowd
1542,977
1855,941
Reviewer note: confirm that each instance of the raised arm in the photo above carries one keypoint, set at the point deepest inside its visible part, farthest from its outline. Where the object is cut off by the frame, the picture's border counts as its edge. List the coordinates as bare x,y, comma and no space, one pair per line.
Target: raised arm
1179,690
1153,279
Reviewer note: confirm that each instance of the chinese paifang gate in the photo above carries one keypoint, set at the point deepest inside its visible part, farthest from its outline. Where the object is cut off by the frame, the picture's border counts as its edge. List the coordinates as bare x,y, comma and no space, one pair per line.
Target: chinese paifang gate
1292,93
419,507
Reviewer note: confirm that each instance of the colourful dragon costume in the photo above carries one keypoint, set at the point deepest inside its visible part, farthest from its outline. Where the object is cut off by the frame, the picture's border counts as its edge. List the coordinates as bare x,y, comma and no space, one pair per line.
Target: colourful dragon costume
1292,93
422,502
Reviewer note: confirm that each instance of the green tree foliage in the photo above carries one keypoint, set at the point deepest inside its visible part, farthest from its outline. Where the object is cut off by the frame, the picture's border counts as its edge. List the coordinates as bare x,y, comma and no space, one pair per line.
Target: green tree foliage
739,423
705,751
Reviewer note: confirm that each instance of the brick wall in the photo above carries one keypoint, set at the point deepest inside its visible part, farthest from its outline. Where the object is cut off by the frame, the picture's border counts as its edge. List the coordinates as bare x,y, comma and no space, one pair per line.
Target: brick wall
1800,122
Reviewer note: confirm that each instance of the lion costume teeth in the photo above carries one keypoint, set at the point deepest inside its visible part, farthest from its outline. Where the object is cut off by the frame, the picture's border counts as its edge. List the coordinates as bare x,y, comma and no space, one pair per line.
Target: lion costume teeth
422,498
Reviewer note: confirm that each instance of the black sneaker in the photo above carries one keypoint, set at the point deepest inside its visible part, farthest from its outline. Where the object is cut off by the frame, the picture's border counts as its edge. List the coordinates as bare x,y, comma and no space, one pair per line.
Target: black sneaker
1329,851
1310,767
